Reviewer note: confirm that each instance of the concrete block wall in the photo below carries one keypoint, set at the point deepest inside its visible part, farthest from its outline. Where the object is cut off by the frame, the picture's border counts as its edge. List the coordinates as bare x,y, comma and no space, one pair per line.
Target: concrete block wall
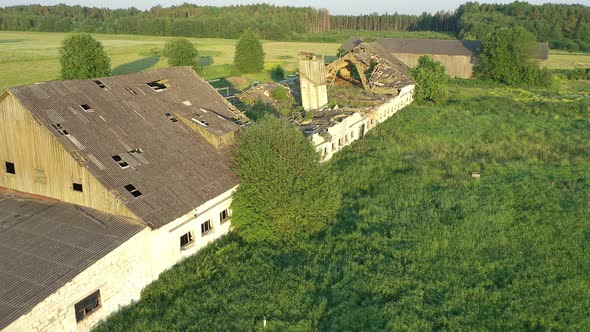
123,273
357,125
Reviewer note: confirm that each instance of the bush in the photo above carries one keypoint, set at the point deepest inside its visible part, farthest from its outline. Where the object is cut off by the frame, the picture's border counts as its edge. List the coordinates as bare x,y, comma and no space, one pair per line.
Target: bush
285,194
181,52
249,56
506,58
431,80
82,57
277,73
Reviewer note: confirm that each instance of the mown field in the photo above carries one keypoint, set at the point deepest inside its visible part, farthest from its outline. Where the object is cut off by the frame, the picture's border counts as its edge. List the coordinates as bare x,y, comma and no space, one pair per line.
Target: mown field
29,57
419,245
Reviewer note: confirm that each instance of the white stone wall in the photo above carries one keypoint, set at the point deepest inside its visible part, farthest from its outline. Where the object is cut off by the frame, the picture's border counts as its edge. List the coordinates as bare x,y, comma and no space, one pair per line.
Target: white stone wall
122,274
358,124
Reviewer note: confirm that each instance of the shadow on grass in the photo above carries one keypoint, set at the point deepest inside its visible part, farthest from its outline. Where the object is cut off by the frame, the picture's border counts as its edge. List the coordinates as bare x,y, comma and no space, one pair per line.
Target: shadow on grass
137,65
205,61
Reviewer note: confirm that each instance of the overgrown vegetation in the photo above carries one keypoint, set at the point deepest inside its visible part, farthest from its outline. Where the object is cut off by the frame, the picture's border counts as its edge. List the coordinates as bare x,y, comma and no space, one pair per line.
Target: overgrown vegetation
285,194
418,244
181,52
506,58
431,80
249,56
81,56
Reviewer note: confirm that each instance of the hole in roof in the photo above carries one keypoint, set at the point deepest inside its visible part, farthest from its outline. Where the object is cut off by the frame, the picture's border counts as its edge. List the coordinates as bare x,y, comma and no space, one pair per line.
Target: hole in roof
170,117
159,85
131,91
137,150
100,84
86,108
122,163
60,129
134,191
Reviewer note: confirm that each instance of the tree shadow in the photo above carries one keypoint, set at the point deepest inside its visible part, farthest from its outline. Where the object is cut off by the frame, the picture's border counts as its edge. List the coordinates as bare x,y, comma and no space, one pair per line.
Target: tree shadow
137,65
205,61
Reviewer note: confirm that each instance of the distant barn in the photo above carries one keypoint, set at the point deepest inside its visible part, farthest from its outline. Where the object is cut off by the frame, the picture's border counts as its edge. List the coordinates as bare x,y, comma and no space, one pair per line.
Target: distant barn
458,56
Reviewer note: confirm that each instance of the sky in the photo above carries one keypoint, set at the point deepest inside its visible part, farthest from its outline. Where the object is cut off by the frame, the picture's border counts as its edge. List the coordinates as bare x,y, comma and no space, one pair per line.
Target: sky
336,7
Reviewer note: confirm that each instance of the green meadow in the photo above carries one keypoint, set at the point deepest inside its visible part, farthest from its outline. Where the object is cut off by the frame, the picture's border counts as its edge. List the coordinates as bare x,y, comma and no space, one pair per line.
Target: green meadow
419,245
29,57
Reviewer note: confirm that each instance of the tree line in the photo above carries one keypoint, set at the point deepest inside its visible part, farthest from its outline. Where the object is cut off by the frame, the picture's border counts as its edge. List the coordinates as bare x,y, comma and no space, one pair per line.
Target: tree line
564,26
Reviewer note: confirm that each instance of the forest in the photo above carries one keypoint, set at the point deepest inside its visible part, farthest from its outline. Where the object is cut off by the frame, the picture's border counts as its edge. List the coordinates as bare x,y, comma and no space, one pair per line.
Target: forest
565,27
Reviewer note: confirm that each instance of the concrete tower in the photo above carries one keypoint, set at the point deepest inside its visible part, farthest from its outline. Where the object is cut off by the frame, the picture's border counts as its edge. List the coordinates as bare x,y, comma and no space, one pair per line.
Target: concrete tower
314,89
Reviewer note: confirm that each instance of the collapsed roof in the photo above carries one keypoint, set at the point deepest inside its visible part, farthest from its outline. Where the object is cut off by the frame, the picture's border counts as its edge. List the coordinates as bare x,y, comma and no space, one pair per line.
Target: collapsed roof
162,132
378,70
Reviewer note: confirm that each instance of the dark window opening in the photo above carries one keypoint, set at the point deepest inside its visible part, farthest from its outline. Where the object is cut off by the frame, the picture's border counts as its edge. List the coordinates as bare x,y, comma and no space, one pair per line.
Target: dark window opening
134,191
78,187
87,306
87,108
186,239
224,215
10,168
60,129
100,84
158,85
131,91
206,227
171,118
120,161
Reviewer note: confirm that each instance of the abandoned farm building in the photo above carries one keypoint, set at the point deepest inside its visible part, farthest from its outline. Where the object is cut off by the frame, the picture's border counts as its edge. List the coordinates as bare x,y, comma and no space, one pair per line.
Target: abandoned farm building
104,184
382,78
458,56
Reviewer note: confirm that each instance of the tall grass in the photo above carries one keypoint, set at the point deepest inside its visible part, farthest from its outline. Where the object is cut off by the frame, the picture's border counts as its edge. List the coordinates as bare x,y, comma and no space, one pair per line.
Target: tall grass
418,244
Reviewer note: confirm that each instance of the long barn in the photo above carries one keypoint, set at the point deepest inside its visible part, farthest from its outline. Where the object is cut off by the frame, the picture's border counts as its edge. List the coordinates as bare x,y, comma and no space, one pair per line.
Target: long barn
458,56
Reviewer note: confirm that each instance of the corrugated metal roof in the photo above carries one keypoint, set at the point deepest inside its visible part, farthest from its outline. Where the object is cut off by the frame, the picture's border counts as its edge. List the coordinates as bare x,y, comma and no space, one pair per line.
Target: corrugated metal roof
174,168
43,245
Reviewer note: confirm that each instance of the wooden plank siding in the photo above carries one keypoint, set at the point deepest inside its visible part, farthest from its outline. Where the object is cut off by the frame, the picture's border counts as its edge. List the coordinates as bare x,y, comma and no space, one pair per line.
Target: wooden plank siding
456,65
43,166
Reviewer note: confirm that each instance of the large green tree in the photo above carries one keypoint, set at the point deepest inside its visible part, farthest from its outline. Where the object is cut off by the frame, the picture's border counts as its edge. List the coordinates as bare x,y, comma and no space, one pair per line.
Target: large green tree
506,57
82,56
285,193
249,56
431,80
181,52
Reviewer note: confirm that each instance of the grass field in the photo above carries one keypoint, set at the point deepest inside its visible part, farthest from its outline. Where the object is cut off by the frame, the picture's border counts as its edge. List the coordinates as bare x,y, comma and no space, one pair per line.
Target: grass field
29,57
418,245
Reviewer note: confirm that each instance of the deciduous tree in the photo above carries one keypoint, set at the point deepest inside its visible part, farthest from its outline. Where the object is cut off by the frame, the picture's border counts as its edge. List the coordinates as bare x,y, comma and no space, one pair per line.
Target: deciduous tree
431,80
285,193
249,56
82,56
181,52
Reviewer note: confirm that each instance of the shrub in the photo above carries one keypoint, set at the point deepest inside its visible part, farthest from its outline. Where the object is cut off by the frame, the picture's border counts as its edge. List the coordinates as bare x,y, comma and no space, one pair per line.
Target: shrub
431,81
249,56
82,57
277,73
506,58
181,52
285,194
